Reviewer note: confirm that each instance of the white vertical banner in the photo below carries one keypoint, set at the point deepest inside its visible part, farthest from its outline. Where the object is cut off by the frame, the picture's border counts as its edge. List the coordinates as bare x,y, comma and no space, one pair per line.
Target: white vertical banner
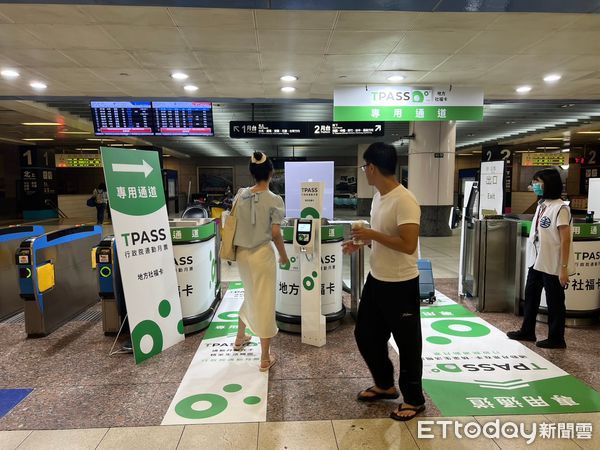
145,250
491,187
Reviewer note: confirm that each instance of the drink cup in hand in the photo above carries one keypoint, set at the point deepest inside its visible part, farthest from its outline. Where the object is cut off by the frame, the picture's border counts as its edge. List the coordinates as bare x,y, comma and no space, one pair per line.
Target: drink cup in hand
355,226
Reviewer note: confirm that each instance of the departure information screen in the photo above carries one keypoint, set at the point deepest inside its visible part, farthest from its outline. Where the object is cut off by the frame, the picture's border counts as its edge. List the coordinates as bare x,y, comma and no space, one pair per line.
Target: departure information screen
122,118
183,118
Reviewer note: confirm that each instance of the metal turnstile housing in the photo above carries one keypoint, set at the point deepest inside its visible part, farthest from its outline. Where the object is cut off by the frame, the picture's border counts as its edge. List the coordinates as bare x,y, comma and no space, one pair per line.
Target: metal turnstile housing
72,289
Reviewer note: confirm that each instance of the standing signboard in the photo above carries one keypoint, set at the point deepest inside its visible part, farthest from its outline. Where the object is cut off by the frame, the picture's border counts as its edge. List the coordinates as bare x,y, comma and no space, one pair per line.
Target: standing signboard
145,250
491,187
501,153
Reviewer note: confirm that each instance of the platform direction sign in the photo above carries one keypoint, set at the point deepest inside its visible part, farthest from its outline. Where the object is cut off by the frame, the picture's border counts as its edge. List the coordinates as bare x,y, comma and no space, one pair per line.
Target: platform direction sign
304,130
145,250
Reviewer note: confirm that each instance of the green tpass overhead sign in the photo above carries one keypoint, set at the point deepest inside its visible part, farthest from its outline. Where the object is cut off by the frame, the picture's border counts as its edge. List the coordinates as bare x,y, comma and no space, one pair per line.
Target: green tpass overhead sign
407,103
144,248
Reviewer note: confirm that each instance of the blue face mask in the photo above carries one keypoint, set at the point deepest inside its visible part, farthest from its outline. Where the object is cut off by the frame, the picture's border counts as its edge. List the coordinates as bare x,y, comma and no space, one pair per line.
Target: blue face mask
538,189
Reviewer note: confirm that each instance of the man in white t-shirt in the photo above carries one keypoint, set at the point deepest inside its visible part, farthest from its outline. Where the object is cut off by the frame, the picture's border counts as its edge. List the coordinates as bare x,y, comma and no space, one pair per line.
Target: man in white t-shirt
390,303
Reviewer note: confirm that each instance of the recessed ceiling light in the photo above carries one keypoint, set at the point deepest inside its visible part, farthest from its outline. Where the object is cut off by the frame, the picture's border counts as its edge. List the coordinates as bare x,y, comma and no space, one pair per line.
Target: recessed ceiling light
190,88
38,139
523,89
179,76
288,89
41,124
9,73
38,85
552,78
395,78
288,78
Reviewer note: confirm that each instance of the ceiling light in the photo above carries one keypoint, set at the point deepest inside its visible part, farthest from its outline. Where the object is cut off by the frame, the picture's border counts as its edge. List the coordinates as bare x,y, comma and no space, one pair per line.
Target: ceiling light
100,140
38,85
565,150
179,76
395,78
465,154
523,89
9,73
547,148
552,78
288,89
40,124
38,139
552,139
190,88
288,78
476,151
588,132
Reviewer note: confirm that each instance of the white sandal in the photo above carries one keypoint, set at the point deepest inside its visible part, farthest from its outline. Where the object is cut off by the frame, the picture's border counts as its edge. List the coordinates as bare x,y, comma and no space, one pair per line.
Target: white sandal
237,348
272,360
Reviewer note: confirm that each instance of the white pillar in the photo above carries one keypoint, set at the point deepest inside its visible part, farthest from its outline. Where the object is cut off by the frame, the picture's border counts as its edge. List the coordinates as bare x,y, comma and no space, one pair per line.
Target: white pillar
431,173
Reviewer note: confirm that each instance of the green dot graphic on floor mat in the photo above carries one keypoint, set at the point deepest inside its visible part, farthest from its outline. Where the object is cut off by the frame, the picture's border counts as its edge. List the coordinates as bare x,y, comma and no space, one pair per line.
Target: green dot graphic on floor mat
232,388
252,400
164,308
439,340
185,408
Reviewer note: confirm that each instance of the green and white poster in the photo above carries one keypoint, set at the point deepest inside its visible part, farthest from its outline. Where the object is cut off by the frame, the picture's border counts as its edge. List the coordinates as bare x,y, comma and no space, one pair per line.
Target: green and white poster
407,103
222,385
144,247
471,368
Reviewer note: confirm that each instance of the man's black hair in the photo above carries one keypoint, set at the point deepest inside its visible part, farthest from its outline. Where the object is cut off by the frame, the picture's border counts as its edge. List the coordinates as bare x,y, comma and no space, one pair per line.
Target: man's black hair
261,172
552,183
383,156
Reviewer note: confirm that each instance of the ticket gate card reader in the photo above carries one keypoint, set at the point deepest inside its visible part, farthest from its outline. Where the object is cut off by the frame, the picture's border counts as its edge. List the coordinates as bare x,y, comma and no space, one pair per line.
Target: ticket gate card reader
304,236
307,242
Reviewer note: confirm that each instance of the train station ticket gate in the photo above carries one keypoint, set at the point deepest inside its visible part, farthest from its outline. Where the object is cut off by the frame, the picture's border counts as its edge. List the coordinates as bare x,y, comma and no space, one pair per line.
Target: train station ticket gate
10,239
110,286
55,277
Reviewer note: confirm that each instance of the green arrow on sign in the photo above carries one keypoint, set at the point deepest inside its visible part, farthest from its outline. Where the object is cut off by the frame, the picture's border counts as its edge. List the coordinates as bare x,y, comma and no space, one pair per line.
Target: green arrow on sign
144,168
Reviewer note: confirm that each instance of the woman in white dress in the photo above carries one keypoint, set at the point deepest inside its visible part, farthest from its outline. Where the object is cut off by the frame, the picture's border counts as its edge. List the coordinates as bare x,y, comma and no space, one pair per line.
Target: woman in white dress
259,213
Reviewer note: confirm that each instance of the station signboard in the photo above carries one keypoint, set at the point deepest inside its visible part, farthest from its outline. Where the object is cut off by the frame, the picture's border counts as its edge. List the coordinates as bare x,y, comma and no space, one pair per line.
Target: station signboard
304,130
544,159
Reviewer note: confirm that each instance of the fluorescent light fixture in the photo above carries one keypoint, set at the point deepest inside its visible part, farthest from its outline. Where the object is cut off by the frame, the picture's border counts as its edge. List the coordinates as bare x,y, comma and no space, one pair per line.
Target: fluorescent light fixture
38,85
552,78
588,132
37,139
395,78
476,152
522,151
9,73
464,154
552,139
179,76
100,140
87,149
288,78
565,150
523,89
190,88
288,89
40,124
547,148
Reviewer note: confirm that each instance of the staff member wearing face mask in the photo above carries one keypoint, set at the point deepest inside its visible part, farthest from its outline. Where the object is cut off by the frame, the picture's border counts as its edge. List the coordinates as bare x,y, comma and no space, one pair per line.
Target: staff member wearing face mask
549,249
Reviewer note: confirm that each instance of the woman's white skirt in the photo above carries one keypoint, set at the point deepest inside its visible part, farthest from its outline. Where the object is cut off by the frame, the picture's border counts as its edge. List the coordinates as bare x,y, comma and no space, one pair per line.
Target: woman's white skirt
257,268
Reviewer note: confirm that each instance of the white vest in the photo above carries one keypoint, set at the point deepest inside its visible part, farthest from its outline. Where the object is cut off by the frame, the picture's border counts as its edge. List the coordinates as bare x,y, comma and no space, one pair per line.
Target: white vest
543,244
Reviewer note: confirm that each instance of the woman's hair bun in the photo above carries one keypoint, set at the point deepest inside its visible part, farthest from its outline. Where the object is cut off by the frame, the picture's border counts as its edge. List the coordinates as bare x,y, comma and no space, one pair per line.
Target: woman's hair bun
258,158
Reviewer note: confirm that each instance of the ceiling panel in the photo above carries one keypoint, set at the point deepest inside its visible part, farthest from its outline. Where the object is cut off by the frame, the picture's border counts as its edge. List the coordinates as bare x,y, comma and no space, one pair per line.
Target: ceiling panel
361,42
16,36
195,76
38,58
434,41
295,20
102,58
221,39
501,42
564,42
584,22
146,89
167,59
126,15
208,17
458,77
289,61
235,90
339,63
146,38
531,21
412,62
129,75
377,20
471,62
453,21
293,41
229,60
54,14
235,76
73,36
409,76
305,76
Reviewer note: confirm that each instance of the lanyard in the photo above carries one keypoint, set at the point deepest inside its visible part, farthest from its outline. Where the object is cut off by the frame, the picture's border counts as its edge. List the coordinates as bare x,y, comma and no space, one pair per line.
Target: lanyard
537,224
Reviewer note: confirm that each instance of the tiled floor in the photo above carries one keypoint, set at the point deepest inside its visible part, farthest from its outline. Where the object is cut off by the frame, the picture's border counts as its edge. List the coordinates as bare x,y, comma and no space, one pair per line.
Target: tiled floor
84,399
364,434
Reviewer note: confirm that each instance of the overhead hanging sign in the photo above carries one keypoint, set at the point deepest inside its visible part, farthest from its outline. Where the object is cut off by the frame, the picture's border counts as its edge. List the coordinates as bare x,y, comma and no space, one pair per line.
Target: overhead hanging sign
78,160
407,103
544,159
145,250
304,130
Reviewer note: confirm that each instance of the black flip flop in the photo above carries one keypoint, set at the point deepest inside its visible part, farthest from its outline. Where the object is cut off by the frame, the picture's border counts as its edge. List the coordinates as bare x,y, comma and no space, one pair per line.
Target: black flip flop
377,396
417,409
